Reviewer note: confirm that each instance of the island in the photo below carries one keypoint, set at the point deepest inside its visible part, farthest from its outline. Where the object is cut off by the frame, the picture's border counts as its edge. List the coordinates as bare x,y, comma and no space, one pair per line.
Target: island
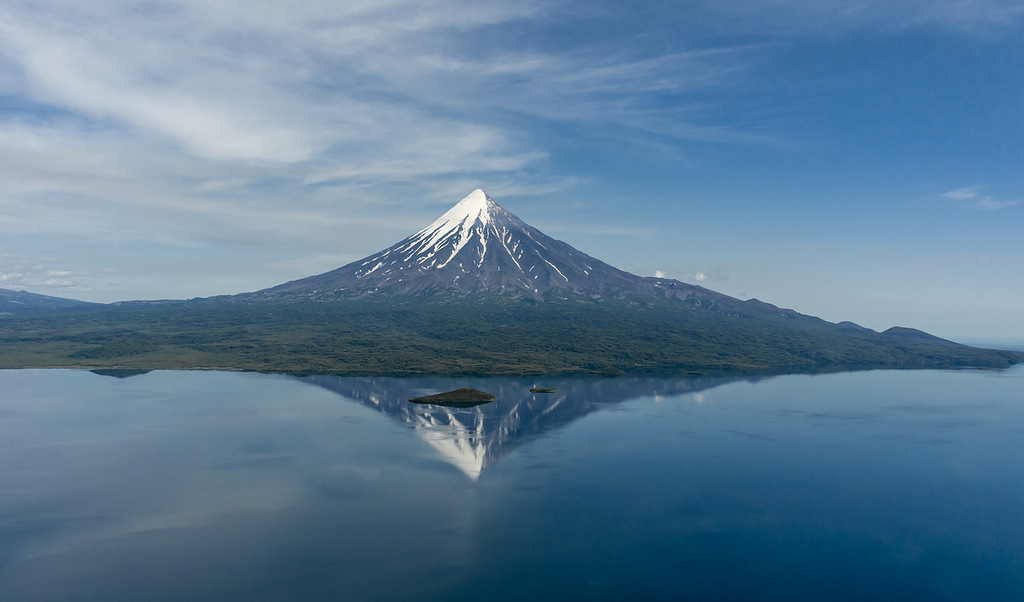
459,398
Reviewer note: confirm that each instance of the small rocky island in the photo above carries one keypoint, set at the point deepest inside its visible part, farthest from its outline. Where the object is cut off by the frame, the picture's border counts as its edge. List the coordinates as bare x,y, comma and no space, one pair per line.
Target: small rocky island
459,398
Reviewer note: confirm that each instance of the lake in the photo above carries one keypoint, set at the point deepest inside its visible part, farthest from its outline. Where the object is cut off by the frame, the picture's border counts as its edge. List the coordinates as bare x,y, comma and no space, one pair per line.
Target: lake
880,485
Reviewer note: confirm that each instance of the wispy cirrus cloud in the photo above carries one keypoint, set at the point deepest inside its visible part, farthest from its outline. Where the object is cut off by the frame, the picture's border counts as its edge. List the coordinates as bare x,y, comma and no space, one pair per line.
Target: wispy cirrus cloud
247,83
374,91
344,86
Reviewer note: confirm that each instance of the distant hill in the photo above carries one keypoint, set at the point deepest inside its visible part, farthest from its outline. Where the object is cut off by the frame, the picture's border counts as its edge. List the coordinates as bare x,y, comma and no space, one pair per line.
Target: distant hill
478,292
14,302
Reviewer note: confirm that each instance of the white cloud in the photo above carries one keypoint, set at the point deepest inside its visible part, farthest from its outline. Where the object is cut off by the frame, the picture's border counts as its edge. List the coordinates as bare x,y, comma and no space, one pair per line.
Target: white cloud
354,89
992,203
973,197
18,272
249,81
713,275
963,194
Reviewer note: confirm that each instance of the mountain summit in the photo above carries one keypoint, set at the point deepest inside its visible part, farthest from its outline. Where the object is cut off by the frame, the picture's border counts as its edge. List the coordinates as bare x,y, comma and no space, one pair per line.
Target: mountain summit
478,246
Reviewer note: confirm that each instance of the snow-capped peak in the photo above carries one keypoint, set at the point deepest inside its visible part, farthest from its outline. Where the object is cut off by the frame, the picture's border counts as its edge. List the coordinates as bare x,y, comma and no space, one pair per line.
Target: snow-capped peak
476,206
454,230
476,245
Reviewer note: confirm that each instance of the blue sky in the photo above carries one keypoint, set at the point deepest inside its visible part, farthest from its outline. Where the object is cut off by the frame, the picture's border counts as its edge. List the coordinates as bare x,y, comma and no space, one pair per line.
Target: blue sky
853,160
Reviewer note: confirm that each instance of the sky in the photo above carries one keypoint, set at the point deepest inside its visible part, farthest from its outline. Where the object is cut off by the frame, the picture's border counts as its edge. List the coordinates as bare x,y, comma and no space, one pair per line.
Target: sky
859,160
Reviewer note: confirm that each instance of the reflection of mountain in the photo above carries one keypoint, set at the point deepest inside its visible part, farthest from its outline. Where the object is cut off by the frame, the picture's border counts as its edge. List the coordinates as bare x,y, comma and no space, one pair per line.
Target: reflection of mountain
474,438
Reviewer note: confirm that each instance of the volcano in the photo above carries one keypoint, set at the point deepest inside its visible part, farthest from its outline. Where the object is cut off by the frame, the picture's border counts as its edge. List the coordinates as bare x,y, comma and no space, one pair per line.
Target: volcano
478,246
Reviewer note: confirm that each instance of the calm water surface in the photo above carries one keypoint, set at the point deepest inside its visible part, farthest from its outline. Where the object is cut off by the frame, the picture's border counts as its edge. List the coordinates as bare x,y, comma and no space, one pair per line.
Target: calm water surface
227,486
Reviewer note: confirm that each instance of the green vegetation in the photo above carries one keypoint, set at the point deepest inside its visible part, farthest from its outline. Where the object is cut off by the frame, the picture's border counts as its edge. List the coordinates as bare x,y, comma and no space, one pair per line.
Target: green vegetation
455,335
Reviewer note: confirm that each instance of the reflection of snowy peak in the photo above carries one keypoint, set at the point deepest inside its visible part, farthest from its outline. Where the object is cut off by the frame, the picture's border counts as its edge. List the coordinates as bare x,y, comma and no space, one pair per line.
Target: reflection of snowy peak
474,438
477,246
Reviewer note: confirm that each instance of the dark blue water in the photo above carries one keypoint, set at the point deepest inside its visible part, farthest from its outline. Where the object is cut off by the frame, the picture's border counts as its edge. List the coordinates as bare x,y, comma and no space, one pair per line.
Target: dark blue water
227,486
